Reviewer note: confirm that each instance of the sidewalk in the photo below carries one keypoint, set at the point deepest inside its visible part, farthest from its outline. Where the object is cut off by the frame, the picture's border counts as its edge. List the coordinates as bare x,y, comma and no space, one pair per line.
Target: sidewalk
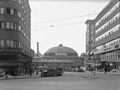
21,77
102,75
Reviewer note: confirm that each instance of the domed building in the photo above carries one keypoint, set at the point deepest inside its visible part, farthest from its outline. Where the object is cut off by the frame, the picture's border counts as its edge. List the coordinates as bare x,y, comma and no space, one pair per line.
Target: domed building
61,56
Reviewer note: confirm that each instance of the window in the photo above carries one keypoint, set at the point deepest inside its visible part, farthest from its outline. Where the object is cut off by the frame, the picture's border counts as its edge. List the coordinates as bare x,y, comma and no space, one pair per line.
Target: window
12,25
15,26
1,43
3,25
15,44
15,12
19,28
22,32
1,10
12,11
8,25
8,43
0,24
12,44
19,14
19,1
8,11
19,44
22,19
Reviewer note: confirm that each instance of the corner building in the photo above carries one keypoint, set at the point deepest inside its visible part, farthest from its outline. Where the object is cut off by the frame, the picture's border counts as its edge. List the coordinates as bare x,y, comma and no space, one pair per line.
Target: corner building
107,34
15,36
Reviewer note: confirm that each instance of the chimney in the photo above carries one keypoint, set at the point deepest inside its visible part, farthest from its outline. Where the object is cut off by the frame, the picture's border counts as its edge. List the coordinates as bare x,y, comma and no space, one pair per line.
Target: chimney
38,48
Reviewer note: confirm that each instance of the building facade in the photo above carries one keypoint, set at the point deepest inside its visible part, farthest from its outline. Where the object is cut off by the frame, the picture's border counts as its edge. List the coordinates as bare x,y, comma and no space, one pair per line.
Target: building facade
15,36
107,34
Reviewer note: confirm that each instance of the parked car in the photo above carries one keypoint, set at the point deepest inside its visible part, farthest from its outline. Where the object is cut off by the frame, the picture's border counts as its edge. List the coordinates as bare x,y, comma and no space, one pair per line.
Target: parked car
113,70
80,70
51,72
101,70
2,72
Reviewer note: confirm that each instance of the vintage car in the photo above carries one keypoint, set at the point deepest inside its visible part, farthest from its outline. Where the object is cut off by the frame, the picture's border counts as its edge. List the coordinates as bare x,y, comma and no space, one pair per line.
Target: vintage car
51,72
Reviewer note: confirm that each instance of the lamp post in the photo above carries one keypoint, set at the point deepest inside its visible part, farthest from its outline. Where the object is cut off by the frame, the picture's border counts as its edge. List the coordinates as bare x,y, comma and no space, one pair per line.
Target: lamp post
93,64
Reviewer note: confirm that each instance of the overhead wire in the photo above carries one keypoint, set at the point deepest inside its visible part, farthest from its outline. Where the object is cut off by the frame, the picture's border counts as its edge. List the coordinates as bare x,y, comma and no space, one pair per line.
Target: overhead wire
61,25
60,19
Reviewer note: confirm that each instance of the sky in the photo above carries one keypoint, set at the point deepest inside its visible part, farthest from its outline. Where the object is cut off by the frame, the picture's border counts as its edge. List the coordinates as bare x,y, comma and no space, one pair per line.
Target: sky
55,22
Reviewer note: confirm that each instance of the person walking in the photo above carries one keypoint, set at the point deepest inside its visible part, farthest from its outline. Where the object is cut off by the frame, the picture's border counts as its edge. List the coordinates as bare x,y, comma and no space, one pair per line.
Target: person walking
105,70
41,70
37,72
30,72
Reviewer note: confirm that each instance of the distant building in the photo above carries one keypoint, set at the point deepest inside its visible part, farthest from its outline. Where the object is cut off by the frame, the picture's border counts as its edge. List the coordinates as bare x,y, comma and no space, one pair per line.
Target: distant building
15,36
60,56
107,34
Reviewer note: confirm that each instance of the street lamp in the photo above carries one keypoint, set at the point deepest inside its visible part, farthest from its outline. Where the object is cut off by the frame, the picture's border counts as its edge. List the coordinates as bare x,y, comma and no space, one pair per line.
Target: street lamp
93,64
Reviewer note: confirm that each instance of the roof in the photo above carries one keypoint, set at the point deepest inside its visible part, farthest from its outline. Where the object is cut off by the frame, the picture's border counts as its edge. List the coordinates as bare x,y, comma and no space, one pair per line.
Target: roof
61,51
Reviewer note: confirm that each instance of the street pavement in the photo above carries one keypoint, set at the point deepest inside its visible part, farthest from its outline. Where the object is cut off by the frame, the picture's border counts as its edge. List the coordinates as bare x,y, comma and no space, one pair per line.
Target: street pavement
69,81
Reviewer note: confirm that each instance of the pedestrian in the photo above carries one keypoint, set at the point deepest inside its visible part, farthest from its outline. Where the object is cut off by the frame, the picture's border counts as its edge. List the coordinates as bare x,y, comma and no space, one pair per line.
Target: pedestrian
30,72
105,70
37,72
92,69
41,70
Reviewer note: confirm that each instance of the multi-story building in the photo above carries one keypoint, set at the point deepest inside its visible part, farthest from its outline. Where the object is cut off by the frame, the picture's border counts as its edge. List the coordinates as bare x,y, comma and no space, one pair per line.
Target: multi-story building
15,36
107,34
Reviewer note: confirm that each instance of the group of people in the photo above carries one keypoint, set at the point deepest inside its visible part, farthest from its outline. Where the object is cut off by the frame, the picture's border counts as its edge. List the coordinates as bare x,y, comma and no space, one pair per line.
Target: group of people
105,69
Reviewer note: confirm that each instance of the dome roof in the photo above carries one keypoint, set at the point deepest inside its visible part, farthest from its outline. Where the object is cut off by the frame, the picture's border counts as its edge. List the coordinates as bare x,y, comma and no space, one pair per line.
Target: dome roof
60,51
